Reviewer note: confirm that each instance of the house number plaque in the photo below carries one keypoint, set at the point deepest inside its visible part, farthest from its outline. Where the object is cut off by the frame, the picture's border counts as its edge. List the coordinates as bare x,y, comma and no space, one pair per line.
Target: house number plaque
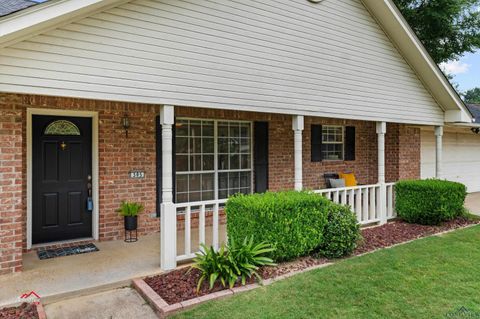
137,174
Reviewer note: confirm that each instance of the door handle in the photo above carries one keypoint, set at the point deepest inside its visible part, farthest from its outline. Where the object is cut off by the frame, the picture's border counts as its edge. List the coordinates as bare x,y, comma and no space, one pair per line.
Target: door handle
89,198
89,185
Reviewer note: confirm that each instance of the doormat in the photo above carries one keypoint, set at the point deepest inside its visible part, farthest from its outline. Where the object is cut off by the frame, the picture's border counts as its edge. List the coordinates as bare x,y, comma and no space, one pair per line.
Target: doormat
67,251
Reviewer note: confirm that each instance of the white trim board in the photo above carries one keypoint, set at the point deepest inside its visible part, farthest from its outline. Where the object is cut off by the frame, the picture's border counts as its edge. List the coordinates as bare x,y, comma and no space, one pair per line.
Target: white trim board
95,174
45,16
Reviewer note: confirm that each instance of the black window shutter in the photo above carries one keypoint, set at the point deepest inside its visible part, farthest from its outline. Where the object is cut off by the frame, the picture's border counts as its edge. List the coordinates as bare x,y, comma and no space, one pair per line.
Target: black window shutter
316,142
260,160
158,146
350,143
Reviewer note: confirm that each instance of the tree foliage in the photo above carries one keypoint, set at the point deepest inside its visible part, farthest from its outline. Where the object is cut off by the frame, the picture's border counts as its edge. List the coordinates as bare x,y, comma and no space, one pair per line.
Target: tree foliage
472,96
447,28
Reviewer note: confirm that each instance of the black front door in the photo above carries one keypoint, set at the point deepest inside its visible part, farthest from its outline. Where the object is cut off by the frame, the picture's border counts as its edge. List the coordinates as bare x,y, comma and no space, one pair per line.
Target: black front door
62,173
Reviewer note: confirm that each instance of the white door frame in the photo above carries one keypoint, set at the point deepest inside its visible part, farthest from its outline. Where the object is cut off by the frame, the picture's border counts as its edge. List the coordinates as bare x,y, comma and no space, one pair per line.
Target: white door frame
95,180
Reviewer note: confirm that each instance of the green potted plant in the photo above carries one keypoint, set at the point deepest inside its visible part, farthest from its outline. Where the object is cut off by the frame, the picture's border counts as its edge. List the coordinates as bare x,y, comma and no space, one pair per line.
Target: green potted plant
130,211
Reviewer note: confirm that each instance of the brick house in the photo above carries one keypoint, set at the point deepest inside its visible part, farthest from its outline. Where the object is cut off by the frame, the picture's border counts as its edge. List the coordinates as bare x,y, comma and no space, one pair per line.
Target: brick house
220,98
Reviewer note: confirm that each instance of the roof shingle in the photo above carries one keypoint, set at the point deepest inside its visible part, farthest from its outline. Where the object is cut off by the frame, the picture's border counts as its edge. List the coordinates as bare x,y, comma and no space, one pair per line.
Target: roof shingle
11,6
475,110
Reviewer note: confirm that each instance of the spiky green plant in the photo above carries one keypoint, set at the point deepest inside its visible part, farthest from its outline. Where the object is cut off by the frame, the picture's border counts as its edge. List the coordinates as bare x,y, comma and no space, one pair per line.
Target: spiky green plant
239,261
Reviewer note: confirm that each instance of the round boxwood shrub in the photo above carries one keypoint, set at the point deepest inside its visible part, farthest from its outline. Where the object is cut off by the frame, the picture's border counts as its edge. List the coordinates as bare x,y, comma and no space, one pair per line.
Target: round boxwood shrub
341,233
292,222
430,201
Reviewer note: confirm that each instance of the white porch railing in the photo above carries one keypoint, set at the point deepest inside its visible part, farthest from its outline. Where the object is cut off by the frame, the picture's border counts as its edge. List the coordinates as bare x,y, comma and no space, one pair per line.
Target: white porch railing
206,210
364,200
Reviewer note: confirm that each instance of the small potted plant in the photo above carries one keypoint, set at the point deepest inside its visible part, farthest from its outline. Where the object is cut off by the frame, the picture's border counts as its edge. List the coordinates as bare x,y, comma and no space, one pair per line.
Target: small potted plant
130,211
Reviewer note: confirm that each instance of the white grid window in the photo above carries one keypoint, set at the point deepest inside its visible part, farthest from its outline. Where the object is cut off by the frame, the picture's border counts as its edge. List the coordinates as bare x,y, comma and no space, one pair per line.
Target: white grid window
195,173
332,143
213,159
234,158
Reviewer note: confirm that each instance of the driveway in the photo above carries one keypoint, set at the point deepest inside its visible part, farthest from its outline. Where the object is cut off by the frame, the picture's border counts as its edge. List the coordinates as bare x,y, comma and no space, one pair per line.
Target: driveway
472,203
123,303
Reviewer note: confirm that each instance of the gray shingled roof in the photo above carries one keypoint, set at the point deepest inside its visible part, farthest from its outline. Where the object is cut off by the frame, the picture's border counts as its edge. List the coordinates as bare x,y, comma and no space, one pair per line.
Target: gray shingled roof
475,110
11,6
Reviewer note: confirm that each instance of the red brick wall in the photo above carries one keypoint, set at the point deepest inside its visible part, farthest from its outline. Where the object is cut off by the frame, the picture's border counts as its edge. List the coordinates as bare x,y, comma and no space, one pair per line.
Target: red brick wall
402,152
364,166
118,155
391,153
12,214
409,153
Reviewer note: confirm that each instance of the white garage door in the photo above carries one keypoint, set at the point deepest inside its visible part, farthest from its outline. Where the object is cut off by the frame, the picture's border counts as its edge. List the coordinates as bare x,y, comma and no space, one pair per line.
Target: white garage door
461,158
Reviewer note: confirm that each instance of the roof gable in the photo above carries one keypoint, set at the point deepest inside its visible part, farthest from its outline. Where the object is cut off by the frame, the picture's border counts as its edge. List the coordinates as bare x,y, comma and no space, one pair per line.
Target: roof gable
206,51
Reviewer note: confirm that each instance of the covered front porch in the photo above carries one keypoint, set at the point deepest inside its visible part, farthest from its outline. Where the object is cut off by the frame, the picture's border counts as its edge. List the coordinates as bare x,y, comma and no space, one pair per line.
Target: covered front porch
231,152
191,160
371,202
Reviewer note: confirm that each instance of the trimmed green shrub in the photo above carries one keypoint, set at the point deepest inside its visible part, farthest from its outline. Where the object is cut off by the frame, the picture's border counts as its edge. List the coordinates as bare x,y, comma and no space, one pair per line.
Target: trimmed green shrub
429,202
292,222
341,233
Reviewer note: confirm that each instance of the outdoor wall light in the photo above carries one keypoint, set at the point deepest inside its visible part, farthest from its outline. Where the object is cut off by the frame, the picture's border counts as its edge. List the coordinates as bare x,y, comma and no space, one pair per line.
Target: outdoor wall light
126,124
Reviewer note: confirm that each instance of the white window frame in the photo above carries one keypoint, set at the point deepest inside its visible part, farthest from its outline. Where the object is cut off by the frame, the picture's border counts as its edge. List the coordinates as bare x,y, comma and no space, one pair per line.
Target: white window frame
215,155
336,143
196,172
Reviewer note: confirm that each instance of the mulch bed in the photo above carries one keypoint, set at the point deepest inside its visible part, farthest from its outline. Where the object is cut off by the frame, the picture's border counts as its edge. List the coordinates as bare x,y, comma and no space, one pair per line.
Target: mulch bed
180,285
24,311
399,232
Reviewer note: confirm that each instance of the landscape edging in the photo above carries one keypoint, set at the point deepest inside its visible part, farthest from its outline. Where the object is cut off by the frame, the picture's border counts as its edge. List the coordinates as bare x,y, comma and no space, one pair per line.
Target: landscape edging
40,311
162,308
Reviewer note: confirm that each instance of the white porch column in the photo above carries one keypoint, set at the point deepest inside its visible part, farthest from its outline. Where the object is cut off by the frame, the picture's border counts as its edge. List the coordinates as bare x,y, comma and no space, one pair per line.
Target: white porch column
438,151
297,126
168,218
382,200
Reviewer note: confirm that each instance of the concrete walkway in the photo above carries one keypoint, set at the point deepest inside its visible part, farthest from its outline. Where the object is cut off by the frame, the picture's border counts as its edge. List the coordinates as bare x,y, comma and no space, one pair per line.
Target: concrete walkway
113,266
123,303
472,203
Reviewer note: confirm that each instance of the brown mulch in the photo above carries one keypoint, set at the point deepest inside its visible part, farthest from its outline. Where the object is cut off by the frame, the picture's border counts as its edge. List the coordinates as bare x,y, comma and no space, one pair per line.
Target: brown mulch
24,311
181,284
399,232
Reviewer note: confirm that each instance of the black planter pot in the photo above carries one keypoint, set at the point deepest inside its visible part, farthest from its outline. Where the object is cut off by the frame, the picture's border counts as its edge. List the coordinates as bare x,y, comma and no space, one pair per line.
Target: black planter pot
130,222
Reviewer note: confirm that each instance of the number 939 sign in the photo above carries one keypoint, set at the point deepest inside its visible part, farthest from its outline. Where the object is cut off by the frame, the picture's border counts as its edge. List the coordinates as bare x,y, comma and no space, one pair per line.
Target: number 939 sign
136,174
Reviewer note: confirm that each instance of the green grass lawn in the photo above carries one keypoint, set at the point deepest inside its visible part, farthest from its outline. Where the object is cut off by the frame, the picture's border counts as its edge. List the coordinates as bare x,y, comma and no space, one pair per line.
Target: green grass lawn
423,279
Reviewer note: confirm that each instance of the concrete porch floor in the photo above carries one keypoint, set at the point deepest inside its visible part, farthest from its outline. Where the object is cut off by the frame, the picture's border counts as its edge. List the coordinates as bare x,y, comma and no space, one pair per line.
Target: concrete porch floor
472,203
114,265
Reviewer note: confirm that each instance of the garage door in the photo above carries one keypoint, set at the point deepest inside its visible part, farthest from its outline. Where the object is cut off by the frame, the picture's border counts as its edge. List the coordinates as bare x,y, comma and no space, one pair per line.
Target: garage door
461,158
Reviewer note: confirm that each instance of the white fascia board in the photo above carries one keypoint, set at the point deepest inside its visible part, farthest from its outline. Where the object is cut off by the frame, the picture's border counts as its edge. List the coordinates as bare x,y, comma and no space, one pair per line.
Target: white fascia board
400,33
457,116
39,18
